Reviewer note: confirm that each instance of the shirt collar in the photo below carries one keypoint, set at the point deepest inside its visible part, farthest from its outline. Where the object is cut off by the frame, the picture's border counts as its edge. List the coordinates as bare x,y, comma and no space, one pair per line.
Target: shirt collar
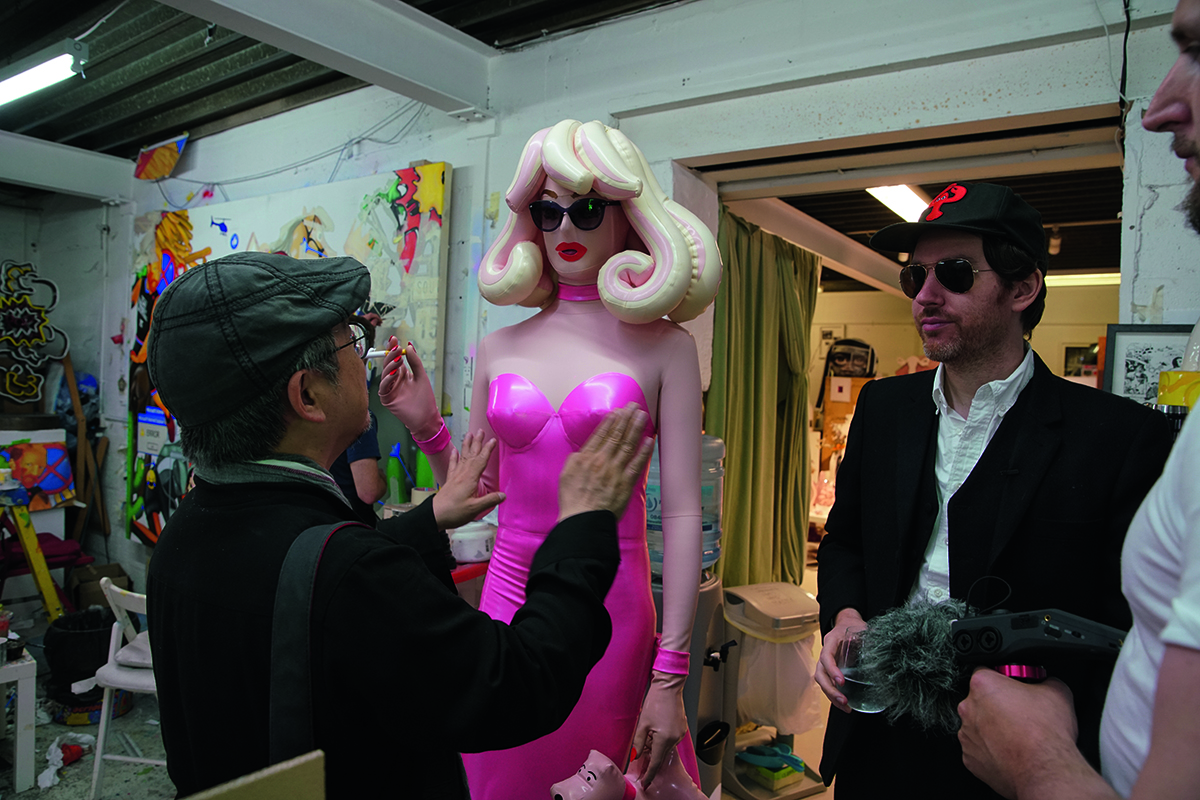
280,468
1004,392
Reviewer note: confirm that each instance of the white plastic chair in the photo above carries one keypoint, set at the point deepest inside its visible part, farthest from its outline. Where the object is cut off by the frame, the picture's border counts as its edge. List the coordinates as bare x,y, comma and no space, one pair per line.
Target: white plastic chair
129,667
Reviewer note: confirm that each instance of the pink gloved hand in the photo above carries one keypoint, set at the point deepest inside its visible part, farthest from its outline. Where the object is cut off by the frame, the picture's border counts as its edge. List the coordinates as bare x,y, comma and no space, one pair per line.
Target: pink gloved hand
406,392
662,723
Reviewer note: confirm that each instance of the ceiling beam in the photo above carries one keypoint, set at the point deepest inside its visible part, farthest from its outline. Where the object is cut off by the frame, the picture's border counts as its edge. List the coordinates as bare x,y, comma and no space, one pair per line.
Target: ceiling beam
999,165
840,252
384,42
61,168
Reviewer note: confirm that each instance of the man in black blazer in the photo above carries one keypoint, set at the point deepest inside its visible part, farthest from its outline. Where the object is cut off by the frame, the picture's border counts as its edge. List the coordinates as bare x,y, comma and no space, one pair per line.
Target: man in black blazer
988,466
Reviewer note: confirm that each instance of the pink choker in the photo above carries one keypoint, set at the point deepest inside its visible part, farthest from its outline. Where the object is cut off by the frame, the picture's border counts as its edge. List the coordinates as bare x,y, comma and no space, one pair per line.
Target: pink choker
578,294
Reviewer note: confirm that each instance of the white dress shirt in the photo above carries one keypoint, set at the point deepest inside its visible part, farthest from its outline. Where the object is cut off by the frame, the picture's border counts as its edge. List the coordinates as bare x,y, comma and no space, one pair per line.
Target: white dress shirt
960,443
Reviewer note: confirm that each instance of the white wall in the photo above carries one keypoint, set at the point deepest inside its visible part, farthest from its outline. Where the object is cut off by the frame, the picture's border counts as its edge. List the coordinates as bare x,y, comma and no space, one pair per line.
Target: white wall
883,321
15,233
83,246
1159,254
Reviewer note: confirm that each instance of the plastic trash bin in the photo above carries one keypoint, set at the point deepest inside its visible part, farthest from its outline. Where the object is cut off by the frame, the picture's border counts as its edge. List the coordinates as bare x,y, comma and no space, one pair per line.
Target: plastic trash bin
769,676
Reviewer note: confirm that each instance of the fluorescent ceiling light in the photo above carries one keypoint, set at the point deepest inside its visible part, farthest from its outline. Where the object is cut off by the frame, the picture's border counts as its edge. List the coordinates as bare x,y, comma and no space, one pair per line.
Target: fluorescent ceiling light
44,68
904,200
1085,279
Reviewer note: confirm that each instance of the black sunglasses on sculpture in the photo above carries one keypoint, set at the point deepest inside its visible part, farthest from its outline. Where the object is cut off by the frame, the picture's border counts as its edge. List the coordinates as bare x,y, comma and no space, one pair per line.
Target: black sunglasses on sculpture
586,213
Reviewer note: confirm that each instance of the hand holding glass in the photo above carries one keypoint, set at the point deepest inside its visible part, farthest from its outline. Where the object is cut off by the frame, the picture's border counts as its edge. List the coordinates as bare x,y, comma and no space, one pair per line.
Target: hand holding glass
857,688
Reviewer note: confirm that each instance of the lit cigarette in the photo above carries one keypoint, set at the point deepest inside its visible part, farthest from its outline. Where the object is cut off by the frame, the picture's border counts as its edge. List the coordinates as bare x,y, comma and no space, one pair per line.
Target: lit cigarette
382,353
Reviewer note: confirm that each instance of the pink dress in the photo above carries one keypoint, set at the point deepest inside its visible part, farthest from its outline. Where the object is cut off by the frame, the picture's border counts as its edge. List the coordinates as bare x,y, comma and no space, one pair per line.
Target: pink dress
535,441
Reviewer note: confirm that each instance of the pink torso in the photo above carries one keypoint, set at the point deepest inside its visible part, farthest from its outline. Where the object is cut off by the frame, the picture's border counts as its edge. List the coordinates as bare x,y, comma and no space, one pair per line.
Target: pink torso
535,441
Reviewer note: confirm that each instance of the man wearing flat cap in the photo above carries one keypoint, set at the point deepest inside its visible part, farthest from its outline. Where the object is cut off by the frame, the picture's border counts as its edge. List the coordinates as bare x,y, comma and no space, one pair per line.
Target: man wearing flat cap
254,356
988,467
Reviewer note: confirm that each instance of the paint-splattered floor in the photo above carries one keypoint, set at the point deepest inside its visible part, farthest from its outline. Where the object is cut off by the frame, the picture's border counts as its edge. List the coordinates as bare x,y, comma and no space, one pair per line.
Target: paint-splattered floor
120,780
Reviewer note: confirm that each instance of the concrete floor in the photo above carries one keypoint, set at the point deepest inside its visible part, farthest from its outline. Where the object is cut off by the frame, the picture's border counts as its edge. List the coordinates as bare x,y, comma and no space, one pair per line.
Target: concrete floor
121,780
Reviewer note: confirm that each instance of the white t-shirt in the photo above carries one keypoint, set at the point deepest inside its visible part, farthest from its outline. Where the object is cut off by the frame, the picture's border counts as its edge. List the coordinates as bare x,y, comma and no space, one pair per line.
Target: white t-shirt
1160,575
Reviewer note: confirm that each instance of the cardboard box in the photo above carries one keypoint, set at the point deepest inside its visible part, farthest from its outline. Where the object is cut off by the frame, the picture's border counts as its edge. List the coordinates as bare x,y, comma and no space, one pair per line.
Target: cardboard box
83,585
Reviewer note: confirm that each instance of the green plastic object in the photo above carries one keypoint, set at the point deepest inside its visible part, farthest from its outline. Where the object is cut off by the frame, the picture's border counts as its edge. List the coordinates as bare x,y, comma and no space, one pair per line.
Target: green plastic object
397,487
424,473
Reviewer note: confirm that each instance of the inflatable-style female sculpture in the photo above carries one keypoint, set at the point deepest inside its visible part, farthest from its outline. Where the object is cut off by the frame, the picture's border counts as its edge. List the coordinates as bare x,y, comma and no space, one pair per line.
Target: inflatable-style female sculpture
594,243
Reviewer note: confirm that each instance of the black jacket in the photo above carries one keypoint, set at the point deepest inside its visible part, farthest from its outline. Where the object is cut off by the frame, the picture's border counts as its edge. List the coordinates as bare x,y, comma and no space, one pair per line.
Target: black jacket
406,675
1045,508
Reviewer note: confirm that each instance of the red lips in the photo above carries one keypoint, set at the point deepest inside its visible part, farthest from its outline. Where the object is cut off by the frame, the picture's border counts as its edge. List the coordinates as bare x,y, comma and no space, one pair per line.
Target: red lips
571,251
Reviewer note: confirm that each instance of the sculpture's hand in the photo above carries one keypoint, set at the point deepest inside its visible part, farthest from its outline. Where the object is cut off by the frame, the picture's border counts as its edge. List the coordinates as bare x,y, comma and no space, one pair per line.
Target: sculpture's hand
406,392
663,721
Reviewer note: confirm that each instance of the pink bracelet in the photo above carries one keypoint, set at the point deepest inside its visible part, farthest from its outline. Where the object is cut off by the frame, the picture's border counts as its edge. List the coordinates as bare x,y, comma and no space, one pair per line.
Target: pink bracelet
436,443
673,662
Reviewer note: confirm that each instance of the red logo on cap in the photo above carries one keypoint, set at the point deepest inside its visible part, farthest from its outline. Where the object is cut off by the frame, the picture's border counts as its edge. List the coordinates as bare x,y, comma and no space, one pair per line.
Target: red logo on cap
951,194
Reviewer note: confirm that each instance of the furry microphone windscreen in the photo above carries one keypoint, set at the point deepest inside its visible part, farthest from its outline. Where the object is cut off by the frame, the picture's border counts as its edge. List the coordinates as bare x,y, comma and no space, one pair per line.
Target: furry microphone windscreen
911,656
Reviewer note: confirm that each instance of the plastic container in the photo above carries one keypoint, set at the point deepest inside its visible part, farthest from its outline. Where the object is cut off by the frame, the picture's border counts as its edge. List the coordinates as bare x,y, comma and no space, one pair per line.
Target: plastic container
712,483
473,542
774,624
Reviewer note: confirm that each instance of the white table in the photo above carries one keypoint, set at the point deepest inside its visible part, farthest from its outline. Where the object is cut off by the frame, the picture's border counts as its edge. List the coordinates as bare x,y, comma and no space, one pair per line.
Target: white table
24,671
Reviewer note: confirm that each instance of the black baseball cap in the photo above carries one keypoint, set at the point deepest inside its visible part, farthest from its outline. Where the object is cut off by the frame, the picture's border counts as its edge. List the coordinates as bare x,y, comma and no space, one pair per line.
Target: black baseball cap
224,332
982,208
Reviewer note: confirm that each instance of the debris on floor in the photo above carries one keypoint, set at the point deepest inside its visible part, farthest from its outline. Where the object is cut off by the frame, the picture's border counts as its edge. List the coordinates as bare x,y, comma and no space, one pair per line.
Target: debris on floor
65,749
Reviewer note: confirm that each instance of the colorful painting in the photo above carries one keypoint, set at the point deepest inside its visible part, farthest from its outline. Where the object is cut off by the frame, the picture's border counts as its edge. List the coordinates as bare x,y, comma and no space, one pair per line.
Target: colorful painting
164,252
157,160
27,339
394,223
40,464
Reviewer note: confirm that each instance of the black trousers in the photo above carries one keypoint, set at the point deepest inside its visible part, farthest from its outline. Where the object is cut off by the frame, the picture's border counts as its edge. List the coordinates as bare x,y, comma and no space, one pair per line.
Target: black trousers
881,761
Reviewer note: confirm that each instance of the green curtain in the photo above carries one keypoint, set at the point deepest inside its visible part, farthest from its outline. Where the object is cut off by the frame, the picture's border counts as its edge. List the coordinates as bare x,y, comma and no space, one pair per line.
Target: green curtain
758,401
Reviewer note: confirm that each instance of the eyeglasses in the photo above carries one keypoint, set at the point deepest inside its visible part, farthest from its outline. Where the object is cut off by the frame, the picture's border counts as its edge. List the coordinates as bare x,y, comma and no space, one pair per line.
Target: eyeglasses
358,340
954,274
586,213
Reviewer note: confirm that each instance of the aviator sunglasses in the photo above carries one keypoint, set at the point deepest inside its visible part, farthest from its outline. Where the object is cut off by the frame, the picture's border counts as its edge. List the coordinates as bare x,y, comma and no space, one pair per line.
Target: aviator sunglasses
586,213
954,274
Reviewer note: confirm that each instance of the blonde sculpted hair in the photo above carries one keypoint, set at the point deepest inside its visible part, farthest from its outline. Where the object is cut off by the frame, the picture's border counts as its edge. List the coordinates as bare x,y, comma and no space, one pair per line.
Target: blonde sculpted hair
677,277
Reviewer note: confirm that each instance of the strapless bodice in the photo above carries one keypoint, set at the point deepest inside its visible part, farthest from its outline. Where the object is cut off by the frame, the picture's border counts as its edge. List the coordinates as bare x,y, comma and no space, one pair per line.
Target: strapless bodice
519,412
536,439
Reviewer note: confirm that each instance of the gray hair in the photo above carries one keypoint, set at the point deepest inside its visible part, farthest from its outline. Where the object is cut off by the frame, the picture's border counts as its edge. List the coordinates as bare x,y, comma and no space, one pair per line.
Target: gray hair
253,431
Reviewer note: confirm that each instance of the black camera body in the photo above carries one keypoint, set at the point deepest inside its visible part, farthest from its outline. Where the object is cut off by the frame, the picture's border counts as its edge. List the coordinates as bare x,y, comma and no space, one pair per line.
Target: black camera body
1031,637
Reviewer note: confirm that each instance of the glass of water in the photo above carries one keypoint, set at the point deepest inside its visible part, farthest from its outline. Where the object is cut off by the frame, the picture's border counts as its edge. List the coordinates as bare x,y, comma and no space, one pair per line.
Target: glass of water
858,688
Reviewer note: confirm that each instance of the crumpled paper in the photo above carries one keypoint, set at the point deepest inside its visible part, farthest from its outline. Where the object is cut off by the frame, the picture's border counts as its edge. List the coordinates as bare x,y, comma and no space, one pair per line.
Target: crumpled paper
54,755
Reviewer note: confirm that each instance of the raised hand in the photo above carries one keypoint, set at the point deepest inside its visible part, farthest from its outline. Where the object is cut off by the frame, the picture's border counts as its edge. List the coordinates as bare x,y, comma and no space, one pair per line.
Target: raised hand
601,476
455,503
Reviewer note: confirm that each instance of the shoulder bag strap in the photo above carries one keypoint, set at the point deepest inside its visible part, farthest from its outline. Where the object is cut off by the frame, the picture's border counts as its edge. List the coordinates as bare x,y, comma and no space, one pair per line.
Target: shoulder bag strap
291,713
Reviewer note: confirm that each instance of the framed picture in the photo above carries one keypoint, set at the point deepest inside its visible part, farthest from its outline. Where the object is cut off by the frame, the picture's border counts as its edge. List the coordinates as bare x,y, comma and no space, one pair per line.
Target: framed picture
1137,353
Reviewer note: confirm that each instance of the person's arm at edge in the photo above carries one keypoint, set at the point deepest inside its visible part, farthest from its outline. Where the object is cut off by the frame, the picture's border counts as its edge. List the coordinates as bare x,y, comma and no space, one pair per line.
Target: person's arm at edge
1016,739
369,482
